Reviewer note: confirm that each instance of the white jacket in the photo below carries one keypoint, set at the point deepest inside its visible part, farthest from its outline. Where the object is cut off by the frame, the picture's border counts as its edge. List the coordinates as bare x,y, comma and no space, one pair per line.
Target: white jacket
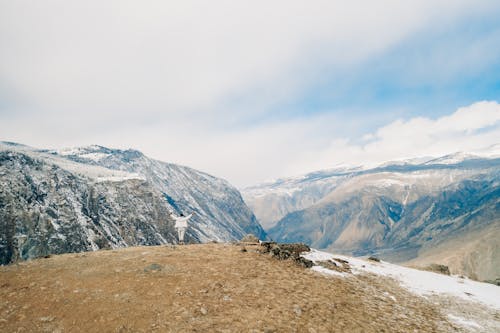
181,221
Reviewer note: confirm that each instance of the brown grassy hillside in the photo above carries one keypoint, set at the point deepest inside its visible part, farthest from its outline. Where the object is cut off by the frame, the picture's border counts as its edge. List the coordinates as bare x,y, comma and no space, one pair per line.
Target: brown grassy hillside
200,288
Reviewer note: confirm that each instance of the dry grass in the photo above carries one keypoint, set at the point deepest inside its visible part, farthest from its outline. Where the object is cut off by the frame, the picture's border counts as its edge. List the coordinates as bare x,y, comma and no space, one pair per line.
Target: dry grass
200,288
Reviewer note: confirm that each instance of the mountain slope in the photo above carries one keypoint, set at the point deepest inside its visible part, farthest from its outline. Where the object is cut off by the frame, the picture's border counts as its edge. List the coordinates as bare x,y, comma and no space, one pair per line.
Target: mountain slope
272,201
402,211
161,289
50,203
213,199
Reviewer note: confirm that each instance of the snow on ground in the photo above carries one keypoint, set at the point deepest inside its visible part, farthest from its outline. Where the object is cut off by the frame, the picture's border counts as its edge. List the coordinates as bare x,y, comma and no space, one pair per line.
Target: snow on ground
464,322
420,282
77,150
96,157
119,178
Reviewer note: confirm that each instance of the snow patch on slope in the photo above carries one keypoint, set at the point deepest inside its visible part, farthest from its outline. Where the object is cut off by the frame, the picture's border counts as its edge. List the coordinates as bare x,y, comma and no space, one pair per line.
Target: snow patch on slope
419,282
98,173
464,322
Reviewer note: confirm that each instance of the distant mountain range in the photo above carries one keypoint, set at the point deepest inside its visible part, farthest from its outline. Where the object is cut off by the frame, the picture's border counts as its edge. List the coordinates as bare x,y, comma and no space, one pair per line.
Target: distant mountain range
421,211
71,200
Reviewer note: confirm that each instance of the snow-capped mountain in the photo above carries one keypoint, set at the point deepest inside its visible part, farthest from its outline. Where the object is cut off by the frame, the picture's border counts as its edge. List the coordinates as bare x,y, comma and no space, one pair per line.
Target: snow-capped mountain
271,201
444,209
220,211
95,197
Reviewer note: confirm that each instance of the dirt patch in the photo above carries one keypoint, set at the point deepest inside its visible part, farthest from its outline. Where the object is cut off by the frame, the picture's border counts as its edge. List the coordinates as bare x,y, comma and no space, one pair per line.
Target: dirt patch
200,288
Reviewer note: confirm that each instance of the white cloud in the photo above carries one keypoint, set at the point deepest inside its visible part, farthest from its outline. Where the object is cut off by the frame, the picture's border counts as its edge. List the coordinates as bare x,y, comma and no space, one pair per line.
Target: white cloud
468,129
169,77
165,57
287,148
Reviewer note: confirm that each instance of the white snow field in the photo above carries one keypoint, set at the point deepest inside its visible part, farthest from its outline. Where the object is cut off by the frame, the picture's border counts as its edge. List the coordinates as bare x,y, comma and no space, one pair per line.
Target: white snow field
419,282
472,306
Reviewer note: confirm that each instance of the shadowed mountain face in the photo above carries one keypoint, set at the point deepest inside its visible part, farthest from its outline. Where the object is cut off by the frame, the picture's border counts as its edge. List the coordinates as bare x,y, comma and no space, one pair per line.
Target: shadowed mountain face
405,213
94,197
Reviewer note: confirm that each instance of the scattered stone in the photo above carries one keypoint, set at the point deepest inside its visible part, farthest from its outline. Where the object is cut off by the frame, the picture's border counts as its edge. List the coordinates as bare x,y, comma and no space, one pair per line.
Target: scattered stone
304,262
250,238
437,268
495,282
243,249
295,248
203,311
372,258
266,247
334,265
153,268
280,253
46,319
287,251
340,260
297,309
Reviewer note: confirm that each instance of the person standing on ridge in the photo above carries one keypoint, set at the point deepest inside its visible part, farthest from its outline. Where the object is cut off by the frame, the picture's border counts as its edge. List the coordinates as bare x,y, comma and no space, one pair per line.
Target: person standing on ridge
181,224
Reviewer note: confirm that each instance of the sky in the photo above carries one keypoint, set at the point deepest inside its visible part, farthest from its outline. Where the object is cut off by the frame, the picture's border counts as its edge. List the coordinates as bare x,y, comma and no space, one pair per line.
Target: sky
253,90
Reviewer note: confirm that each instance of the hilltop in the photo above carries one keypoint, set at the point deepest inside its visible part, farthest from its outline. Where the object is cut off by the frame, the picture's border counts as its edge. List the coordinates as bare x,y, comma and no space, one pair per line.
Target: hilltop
212,288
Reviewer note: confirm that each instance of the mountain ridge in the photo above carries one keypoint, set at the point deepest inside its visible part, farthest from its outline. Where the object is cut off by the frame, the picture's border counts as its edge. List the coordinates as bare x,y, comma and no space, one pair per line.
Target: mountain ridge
108,198
394,211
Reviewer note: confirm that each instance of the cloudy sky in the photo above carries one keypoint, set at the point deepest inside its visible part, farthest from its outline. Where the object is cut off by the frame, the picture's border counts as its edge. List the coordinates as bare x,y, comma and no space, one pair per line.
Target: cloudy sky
253,90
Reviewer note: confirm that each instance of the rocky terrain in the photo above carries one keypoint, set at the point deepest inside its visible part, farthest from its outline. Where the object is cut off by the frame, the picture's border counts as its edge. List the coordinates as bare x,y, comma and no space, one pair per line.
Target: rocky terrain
160,289
444,210
93,198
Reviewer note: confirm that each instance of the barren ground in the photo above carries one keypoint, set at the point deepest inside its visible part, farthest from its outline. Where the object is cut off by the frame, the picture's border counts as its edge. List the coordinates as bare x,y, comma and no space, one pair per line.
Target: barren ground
201,288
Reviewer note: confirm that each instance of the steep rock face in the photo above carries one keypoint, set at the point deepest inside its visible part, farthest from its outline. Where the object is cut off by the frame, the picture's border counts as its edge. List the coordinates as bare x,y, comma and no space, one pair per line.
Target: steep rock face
51,204
221,213
403,212
45,209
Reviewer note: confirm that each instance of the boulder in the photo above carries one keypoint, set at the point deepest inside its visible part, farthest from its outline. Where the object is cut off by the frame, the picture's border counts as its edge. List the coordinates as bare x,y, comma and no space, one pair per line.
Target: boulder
250,238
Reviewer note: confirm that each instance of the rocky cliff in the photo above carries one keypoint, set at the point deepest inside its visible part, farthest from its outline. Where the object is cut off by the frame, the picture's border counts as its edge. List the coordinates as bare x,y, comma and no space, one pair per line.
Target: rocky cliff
53,202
